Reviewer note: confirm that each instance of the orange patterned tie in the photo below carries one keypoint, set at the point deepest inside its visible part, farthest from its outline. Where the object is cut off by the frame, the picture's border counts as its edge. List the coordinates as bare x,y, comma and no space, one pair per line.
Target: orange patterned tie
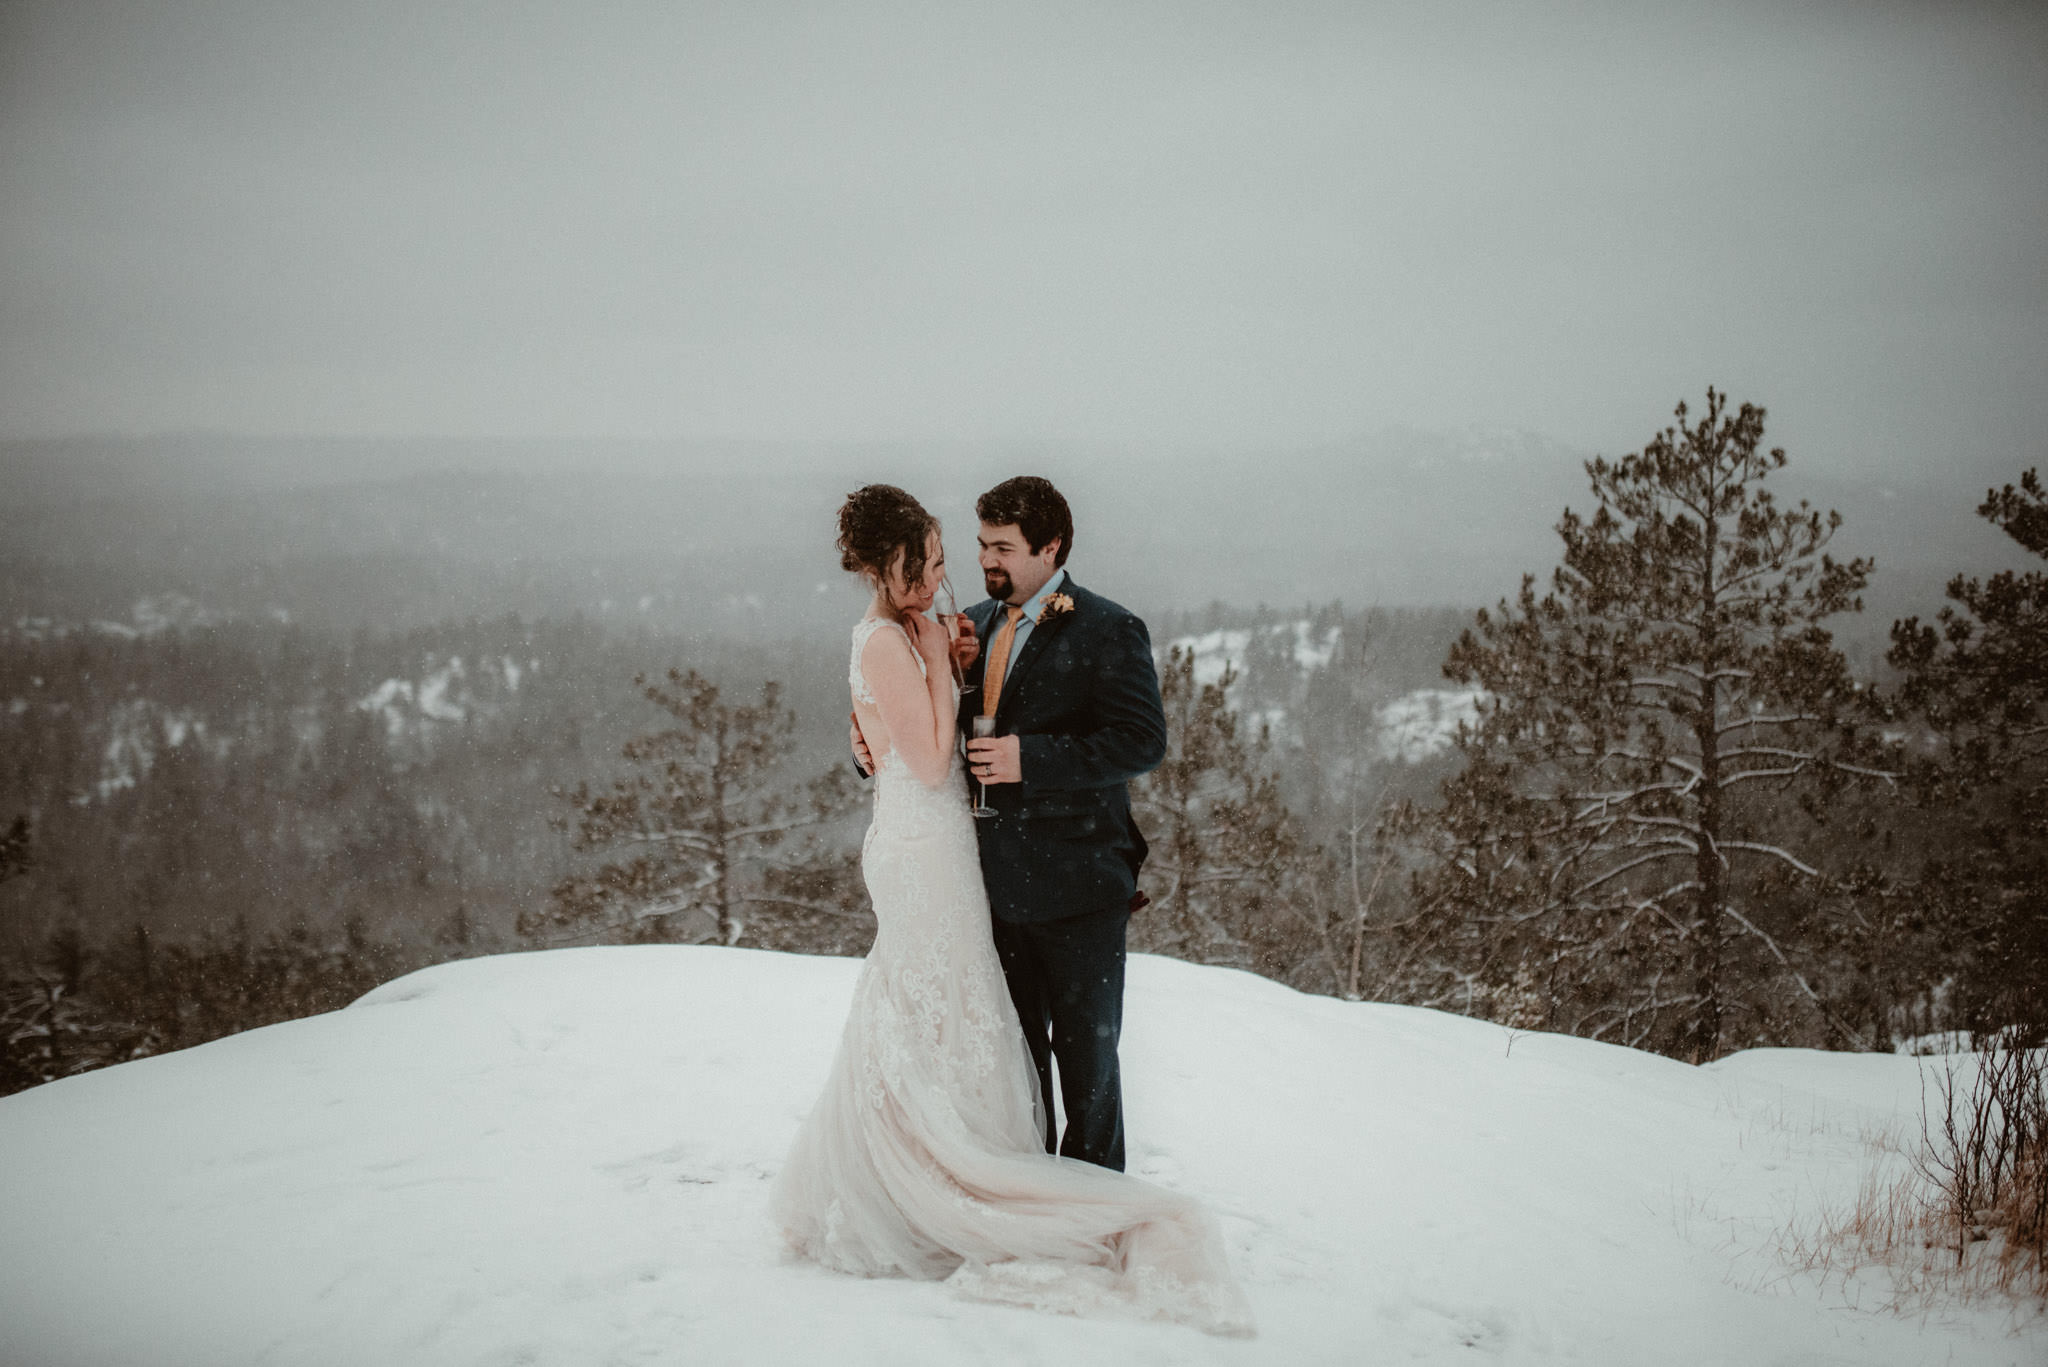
998,661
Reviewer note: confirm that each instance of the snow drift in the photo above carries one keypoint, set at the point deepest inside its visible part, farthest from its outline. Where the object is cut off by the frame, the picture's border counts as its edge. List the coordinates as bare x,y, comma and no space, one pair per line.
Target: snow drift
562,1158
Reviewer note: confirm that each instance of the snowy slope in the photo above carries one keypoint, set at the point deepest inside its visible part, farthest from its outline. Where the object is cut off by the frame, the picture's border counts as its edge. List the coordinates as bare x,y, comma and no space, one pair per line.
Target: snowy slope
562,1158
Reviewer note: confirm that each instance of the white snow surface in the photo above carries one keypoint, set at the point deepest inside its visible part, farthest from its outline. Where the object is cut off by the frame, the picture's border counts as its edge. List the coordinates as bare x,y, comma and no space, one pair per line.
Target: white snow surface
1214,651
133,730
564,1158
1224,647
441,695
1423,723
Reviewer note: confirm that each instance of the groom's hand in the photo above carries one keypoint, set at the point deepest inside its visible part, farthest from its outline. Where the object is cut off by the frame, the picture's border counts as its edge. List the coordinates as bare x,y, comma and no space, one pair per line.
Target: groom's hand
966,645
994,759
861,754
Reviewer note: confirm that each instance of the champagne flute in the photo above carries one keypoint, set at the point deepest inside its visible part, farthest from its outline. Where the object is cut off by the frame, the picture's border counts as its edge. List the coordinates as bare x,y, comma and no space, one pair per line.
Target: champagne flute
984,727
946,612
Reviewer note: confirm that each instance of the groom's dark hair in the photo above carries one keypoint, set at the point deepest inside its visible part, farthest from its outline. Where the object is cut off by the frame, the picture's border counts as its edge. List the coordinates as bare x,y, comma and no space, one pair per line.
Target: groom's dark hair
1037,509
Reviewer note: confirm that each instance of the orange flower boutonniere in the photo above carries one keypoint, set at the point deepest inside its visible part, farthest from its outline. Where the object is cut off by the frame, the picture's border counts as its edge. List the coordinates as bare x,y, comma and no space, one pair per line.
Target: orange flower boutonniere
1055,605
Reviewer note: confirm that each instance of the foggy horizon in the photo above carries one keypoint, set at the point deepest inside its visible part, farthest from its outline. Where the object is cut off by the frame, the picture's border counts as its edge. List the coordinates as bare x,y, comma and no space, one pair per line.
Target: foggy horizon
1143,230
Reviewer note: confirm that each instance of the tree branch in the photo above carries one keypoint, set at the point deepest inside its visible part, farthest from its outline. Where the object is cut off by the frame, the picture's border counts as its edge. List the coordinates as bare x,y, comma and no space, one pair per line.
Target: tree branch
1755,848
1789,719
1675,851
775,828
803,904
1804,986
695,840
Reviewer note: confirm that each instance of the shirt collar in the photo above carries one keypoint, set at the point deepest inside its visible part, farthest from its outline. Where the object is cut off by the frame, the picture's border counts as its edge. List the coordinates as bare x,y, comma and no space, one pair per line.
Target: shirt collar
1036,601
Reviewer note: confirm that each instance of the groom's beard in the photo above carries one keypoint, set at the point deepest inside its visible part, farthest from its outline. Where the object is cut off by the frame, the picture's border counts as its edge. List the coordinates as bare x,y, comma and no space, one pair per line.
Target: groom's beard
998,585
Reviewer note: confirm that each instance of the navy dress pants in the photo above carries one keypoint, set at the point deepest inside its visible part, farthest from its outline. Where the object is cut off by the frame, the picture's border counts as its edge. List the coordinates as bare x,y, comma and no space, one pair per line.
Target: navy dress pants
1067,980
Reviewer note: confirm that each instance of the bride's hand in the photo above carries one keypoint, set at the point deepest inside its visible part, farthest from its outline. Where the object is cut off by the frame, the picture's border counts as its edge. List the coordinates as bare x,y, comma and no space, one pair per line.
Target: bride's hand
929,638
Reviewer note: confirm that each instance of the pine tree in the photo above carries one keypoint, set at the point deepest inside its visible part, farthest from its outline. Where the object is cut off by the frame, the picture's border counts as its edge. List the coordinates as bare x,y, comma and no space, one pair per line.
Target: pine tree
50,1026
698,824
1650,725
1979,677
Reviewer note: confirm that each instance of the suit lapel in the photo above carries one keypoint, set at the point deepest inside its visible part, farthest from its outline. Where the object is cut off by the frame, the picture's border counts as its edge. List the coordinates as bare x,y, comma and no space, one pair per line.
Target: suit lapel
1034,646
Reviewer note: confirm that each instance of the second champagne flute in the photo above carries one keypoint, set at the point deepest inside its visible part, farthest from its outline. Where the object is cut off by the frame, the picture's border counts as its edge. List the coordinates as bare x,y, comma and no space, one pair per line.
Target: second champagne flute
984,727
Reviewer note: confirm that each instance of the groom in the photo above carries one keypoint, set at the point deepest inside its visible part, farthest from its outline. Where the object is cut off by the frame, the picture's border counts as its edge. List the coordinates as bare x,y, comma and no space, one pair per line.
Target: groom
1068,677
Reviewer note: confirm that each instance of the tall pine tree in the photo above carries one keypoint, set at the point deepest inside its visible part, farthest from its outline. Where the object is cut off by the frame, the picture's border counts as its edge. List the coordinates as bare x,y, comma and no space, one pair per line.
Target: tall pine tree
1607,854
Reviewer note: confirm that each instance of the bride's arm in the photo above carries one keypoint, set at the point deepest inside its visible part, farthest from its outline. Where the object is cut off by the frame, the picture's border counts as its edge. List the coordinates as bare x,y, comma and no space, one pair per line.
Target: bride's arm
916,707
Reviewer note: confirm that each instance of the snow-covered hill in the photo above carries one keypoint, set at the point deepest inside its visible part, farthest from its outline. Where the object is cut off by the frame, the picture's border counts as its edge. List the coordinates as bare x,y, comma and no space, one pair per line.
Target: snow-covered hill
1298,642
563,1158
1414,727
447,691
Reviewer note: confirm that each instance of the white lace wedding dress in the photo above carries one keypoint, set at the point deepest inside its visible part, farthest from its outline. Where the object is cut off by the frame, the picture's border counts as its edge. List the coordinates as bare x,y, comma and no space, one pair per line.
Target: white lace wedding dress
923,1157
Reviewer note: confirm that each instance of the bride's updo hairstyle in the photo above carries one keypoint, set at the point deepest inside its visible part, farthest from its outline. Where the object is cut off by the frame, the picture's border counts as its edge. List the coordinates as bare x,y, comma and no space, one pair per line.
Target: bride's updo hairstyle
876,524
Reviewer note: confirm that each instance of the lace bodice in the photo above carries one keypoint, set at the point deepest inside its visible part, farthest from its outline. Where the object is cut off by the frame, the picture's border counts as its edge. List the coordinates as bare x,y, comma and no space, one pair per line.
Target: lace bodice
863,631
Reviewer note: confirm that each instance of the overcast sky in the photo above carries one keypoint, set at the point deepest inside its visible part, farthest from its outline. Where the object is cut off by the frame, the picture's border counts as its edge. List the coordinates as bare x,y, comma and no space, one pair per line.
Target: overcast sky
1223,225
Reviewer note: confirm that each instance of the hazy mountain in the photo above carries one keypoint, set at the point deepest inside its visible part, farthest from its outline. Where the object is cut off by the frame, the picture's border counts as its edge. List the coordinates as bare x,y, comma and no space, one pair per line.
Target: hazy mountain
737,537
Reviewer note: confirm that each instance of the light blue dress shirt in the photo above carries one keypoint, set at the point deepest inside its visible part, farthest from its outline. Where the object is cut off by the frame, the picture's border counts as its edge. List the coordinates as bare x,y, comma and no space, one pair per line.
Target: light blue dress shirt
1030,618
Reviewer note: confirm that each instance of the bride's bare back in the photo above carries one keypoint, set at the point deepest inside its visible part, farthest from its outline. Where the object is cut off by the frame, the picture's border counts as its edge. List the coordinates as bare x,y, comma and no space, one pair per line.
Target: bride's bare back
908,706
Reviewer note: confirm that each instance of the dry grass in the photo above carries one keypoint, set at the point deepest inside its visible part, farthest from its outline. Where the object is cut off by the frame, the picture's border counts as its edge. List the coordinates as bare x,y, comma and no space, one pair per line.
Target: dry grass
1951,1215
1900,1241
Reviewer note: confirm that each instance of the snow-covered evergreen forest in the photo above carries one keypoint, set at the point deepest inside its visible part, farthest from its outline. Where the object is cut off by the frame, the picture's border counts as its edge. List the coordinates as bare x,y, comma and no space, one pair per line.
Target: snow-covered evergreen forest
224,817
228,823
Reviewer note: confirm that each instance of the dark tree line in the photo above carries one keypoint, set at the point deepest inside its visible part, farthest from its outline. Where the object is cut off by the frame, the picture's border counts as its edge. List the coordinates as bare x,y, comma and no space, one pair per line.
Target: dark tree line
75,1007
218,830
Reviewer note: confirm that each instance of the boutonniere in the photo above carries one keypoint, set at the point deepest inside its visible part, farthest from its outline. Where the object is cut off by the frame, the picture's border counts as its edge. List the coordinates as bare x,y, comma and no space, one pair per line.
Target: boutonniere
1055,605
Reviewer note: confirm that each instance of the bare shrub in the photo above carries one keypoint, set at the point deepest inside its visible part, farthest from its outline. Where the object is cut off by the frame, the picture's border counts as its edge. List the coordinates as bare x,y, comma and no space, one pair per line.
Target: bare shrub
1952,1215
1985,1150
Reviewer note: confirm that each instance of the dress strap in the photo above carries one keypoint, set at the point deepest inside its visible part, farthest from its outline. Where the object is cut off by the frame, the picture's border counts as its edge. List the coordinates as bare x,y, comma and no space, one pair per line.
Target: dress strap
862,630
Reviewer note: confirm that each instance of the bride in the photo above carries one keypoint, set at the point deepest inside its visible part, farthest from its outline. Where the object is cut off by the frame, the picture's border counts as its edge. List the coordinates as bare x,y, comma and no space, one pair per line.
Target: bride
923,1156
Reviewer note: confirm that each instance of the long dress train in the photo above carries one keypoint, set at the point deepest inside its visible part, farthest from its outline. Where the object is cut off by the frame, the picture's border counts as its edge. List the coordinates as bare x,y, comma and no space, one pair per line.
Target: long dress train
923,1156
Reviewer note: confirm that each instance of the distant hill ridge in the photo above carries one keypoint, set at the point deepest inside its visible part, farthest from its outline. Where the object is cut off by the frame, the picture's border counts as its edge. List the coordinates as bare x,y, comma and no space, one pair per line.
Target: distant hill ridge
739,534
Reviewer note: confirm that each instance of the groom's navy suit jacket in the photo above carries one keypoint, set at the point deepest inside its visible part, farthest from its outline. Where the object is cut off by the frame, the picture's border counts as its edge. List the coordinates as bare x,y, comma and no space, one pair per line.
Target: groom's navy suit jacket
1082,697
